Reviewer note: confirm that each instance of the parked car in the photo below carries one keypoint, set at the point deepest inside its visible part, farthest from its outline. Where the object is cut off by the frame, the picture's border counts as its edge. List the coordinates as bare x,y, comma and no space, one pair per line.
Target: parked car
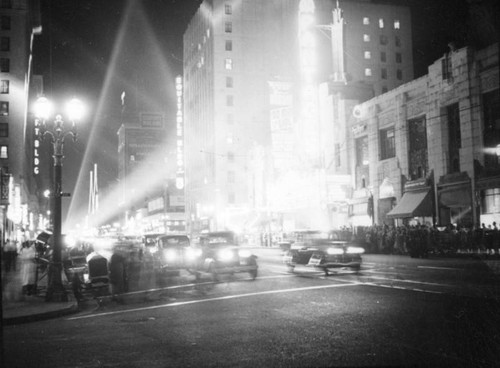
220,253
325,255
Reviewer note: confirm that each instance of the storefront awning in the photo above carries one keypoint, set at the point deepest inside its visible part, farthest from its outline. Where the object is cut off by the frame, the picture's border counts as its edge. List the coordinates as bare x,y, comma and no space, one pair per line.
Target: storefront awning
413,204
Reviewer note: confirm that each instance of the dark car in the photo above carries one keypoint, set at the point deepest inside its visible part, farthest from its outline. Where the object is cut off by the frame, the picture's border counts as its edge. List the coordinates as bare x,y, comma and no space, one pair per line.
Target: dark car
220,253
325,255
172,253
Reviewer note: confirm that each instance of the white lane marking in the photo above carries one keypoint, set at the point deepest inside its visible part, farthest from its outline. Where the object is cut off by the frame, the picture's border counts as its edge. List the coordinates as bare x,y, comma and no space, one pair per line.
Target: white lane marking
227,297
440,268
402,288
382,272
409,281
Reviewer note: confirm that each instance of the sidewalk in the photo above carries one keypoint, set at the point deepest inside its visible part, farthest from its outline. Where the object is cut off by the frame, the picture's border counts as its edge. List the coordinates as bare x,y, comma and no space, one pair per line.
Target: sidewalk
18,308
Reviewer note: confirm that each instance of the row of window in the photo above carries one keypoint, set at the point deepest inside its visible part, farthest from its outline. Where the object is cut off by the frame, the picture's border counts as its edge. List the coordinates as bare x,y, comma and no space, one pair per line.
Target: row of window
381,23
383,73
384,40
383,56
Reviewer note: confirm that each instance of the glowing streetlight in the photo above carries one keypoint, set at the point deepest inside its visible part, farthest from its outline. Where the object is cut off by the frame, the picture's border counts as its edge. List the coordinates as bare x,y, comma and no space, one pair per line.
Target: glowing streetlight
57,133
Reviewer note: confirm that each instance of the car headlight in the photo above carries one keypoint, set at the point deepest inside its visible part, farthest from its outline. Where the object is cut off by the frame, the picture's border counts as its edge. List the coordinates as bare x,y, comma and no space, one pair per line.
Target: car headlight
333,251
192,253
355,250
225,254
170,255
244,253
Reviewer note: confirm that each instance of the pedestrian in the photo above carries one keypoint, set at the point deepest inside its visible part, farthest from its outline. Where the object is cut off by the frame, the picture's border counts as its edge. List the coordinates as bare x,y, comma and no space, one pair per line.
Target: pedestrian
28,268
10,255
117,275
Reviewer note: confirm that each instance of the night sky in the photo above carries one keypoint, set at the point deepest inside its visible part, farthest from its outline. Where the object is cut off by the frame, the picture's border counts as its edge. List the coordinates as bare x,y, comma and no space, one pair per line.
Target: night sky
85,51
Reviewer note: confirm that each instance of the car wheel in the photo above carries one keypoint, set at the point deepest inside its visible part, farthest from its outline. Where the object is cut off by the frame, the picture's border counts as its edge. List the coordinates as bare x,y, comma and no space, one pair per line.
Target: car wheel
290,268
325,270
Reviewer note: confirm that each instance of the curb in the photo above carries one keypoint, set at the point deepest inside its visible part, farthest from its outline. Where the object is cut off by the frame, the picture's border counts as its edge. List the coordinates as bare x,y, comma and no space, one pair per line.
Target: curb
69,309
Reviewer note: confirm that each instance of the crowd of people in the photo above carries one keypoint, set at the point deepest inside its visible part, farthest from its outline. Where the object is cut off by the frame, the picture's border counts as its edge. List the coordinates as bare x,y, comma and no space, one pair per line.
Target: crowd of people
421,240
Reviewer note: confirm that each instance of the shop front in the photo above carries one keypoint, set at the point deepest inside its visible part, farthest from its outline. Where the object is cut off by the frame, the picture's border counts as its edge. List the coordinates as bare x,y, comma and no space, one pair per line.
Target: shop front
454,194
416,204
488,200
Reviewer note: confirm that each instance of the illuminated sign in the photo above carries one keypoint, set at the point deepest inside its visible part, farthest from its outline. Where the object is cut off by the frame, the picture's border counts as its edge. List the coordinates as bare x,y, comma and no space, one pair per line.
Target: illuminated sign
36,148
179,180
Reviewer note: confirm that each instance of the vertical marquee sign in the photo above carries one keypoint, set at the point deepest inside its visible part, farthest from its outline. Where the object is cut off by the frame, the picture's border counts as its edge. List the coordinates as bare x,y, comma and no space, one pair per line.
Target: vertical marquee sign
36,148
179,179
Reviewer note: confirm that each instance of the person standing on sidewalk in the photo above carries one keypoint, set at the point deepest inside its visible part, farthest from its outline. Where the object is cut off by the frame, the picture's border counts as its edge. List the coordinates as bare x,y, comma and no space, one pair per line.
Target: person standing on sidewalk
28,268
10,255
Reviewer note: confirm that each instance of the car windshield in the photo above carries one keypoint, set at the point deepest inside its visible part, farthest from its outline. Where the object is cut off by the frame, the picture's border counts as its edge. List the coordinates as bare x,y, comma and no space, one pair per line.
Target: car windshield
174,241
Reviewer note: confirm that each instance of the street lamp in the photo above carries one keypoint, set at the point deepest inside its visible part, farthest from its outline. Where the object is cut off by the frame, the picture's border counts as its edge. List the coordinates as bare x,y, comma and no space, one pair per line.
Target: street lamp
57,133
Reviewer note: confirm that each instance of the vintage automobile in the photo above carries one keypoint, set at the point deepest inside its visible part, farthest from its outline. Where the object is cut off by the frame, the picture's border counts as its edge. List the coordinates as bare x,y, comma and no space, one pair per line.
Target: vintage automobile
173,253
325,255
220,253
298,237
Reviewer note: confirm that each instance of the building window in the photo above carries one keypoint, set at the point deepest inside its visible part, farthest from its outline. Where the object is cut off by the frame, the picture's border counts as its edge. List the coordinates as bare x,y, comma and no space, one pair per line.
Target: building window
397,40
5,22
4,65
228,27
362,151
399,74
6,4
231,177
454,137
366,21
383,73
4,44
366,37
227,9
368,55
383,40
228,64
229,45
4,108
229,100
417,159
229,82
4,130
381,23
230,119
491,135
4,151
4,86
397,24
383,57
399,58
446,67
387,143
368,72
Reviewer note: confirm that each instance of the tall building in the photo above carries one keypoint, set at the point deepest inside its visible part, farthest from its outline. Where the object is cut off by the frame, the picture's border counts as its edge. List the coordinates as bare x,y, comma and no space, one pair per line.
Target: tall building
244,101
19,24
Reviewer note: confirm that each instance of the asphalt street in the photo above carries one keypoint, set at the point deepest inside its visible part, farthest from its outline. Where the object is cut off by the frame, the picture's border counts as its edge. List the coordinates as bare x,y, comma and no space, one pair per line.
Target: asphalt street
397,311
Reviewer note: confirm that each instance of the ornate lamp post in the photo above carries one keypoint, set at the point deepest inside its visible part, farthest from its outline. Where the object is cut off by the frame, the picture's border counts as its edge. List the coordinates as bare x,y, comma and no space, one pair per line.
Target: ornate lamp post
57,133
